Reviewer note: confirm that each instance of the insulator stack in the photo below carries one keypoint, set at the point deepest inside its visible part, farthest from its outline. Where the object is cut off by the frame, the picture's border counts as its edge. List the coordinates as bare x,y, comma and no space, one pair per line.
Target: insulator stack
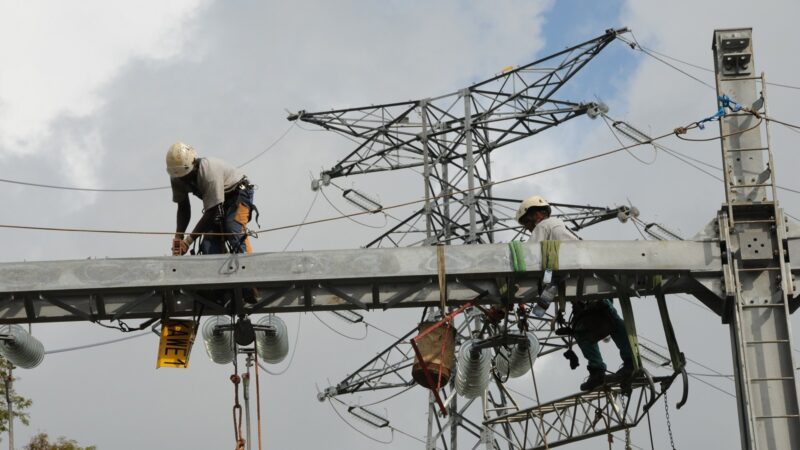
517,361
272,344
219,343
472,375
21,349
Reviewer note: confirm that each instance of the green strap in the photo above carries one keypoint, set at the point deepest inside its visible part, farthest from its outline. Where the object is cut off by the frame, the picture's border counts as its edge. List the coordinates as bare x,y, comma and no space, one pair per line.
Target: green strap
550,255
517,256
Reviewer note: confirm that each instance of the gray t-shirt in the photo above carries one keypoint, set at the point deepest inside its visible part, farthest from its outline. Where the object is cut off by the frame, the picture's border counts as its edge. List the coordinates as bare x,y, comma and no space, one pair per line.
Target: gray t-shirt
552,229
214,178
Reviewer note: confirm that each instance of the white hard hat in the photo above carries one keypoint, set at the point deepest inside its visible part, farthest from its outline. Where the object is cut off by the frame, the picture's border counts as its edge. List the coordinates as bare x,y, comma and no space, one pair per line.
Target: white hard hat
180,159
530,202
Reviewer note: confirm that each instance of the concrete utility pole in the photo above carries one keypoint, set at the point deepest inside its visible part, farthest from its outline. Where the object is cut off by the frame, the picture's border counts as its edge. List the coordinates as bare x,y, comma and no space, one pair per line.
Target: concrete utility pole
753,241
740,266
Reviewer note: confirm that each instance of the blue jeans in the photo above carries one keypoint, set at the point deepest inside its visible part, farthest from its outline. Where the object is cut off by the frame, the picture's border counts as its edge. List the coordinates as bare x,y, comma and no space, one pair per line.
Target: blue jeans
591,349
237,211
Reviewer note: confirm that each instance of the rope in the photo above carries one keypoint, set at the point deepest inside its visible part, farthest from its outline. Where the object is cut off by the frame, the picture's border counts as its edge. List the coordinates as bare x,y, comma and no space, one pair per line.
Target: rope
442,278
258,395
395,206
156,188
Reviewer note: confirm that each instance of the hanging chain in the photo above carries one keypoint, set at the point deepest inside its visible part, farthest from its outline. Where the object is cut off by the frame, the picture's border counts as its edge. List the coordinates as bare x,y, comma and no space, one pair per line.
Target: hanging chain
628,439
669,425
237,414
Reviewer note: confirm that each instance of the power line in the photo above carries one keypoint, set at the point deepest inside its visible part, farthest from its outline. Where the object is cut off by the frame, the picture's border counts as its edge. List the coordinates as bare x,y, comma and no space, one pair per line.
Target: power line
635,45
97,344
398,205
143,189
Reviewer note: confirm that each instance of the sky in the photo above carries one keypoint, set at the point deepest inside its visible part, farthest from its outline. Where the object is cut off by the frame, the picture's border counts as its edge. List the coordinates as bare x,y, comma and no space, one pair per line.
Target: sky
92,94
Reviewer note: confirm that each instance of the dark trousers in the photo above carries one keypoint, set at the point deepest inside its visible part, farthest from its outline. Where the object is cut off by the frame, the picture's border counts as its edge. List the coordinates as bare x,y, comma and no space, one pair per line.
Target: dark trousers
237,211
591,349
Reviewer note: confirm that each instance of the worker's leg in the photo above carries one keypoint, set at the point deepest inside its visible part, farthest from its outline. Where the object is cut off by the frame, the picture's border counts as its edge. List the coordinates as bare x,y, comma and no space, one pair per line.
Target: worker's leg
212,245
238,210
591,351
595,364
619,335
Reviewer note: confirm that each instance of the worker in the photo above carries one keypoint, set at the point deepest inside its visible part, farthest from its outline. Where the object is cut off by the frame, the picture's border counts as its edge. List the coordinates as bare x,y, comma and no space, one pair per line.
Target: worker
227,198
534,215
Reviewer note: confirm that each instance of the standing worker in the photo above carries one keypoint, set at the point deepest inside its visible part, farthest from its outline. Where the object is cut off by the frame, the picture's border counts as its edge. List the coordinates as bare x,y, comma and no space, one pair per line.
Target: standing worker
227,198
534,215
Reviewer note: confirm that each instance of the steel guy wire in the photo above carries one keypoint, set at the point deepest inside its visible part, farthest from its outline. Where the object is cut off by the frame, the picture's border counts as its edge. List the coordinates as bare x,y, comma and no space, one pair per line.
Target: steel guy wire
637,46
297,230
145,189
390,427
97,344
683,157
330,327
398,205
613,133
330,402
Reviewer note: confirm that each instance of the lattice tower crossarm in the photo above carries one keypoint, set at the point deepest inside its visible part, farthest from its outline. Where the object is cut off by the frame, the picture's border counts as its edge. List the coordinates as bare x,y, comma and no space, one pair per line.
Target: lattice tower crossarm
451,137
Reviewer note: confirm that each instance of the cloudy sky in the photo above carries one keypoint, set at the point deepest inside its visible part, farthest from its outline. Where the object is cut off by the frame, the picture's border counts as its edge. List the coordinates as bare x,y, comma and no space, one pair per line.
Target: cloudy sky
92,93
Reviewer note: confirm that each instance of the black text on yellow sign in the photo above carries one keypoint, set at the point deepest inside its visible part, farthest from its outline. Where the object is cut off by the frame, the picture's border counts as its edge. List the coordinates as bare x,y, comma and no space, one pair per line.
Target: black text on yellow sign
177,337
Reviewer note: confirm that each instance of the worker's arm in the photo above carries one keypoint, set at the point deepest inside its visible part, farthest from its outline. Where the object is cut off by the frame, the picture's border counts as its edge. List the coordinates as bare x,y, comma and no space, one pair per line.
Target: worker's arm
183,217
209,216
180,245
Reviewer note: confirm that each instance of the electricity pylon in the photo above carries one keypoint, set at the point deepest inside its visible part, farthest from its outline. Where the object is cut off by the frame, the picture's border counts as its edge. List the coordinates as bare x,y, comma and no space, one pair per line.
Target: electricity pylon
451,138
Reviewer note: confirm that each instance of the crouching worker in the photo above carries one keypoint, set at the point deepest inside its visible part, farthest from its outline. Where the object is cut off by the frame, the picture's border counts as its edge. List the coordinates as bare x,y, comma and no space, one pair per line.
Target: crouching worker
227,198
592,321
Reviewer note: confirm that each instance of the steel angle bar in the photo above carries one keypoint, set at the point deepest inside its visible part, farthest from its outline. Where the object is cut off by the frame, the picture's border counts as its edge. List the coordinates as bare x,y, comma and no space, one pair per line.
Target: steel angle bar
129,306
343,295
400,296
197,298
68,308
268,299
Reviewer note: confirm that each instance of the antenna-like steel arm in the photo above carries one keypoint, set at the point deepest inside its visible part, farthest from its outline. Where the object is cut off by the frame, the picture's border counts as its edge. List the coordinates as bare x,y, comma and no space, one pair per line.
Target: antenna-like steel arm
503,109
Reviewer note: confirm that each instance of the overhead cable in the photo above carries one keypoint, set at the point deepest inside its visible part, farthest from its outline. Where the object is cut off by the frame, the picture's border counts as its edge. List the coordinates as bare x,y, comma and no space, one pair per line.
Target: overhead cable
680,130
142,189
635,45
98,344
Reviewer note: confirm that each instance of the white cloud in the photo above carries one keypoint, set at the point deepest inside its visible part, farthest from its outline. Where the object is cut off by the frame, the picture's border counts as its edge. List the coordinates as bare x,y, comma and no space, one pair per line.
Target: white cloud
56,57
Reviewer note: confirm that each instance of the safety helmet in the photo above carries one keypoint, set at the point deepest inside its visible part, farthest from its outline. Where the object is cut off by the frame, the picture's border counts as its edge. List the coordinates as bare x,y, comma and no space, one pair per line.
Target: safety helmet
536,201
180,159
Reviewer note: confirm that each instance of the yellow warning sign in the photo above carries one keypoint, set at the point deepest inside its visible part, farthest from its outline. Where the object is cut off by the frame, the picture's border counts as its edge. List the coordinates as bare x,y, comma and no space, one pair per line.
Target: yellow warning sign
177,337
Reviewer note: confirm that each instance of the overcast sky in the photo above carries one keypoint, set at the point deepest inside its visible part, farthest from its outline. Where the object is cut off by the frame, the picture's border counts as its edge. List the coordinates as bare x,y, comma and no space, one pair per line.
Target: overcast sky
92,94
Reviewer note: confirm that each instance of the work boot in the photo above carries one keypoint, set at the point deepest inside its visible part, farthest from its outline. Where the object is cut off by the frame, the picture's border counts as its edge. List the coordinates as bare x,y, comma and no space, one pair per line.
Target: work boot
596,379
625,373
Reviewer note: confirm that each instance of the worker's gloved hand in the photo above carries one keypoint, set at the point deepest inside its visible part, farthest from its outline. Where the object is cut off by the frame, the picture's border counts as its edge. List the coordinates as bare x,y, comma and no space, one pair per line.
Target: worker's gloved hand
181,246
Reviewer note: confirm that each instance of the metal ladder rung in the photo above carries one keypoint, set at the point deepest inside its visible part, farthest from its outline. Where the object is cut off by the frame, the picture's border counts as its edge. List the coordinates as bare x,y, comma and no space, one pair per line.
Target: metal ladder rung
754,149
756,221
773,341
758,269
732,79
785,416
764,305
742,186
773,379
